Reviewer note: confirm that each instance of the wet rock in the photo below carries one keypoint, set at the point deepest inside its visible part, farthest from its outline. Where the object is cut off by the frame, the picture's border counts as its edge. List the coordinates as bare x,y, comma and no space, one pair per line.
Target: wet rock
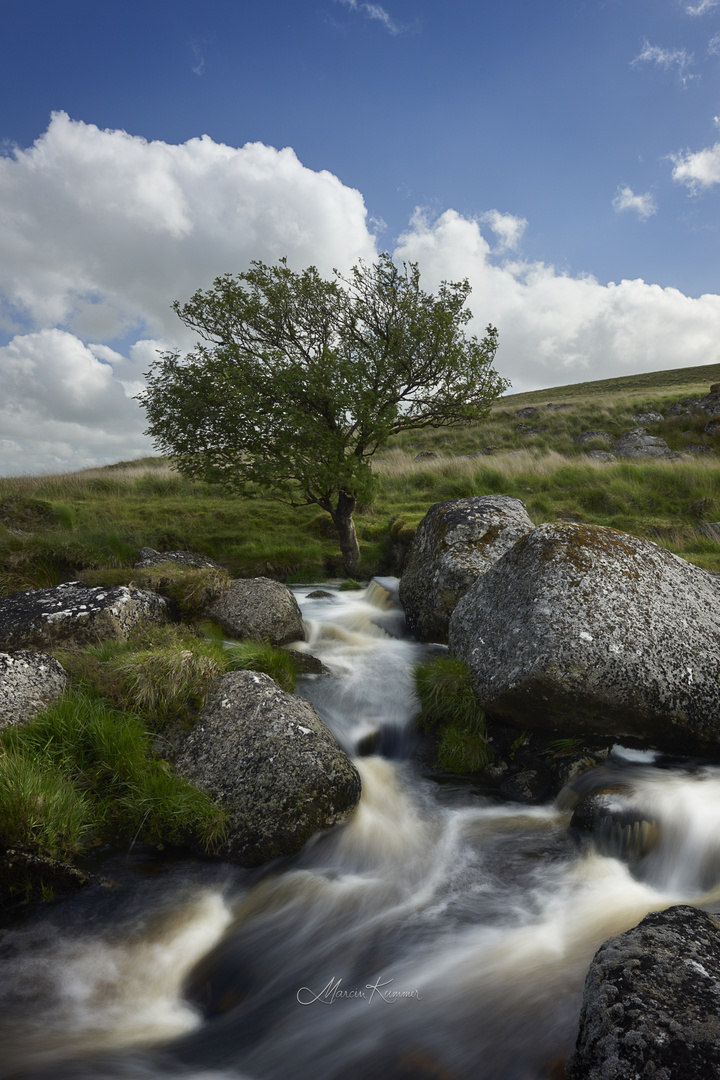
638,445
267,757
592,436
455,543
148,556
601,455
43,618
321,594
649,417
651,1005
618,828
528,786
27,878
29,681
260,609
584,630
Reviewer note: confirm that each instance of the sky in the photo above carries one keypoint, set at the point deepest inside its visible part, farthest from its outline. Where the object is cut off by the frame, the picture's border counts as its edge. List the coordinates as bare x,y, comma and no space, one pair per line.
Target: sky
562,156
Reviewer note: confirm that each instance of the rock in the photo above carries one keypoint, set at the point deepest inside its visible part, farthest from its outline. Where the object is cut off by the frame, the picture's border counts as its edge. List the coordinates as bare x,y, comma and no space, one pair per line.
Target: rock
715,388
426,455
711,529
592,436
490,450
26,878
148,556
683,407
455,543
267,757
637,444
558,408
712,427
601,455
28,682
710,405
649,417
527,412
260,609
535,430
43,618
584,630
321,594
619,829
697,448
651,1005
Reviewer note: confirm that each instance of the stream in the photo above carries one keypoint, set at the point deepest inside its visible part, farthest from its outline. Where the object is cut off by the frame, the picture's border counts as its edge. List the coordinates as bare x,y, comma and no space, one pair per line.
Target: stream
441,934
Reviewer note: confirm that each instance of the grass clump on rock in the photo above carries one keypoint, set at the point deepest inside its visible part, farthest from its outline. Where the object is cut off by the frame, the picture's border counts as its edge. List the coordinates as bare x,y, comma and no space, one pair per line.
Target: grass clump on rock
82,772
450,711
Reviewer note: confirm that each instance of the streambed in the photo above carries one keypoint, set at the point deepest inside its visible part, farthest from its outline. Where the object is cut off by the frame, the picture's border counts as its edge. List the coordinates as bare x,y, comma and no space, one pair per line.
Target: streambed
441,933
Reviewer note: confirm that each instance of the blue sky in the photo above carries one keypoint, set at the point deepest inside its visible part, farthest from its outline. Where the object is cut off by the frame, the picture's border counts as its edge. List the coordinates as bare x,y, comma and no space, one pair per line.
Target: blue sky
564,156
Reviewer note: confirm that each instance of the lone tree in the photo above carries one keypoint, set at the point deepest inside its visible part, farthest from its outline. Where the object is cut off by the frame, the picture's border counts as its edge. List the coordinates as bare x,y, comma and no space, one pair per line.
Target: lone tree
298,381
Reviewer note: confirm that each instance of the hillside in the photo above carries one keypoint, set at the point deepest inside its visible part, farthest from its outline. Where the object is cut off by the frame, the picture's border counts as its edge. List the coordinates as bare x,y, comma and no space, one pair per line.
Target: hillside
53,528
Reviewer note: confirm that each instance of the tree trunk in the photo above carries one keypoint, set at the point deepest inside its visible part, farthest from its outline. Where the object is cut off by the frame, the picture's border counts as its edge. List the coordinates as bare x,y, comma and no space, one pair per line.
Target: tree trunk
342,517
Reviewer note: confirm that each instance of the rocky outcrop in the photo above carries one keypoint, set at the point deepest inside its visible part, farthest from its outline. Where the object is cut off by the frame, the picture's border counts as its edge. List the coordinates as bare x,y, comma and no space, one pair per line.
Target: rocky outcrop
260,609
43,618
710,405
148,556
601,455
651,1005
267,757
585,630
456,542
28,682
648,417
637,445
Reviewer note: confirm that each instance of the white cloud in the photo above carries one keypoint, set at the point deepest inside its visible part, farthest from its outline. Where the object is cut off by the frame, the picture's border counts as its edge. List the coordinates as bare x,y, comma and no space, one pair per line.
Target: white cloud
666,59
626,199
375,11
100,231
702,7
555,328
508,228
714,45
699,169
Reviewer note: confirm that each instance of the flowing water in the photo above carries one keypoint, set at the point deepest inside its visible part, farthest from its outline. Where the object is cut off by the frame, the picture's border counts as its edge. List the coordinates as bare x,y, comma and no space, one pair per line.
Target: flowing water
441,933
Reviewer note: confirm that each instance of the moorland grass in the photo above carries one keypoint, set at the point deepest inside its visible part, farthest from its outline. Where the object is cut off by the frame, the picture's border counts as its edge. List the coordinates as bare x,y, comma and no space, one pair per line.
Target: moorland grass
449,710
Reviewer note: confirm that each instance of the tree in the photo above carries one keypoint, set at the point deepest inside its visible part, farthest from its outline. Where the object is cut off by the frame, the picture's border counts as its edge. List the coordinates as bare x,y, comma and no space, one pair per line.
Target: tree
297,381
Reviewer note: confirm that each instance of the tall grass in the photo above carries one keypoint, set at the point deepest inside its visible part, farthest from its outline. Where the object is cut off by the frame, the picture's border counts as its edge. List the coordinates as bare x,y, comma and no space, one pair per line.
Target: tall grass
449,709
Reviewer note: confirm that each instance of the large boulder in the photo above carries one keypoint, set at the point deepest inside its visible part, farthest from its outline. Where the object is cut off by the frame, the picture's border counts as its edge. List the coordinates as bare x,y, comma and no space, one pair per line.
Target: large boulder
456,543
260,609
585,630
637,445
267,757
651,1006
28,682
77,614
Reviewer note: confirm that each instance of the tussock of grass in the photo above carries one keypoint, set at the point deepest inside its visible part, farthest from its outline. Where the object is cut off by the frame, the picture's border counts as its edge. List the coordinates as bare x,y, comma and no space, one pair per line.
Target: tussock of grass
449,709
102,782
192,589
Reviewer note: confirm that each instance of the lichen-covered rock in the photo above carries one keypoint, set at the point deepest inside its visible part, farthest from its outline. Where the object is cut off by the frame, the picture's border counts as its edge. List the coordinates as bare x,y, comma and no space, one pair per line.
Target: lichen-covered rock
529,411
712,427
710,405
651,1005
638,445
148,556
260,609
585,630
592,436
29,681
43,618
267,757
683,407
648,417
601,455
456,542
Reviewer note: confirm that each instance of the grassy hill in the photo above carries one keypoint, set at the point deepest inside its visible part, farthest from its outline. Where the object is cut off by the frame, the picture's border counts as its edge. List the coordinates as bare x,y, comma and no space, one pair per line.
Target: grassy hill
53,527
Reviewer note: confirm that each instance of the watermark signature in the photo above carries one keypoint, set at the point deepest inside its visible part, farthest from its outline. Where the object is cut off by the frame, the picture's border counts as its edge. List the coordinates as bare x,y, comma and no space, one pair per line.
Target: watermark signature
334,991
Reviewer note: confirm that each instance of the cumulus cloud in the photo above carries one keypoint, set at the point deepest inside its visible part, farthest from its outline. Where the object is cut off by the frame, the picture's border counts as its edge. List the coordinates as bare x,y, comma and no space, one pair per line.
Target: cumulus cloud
702,7
626,199
555,328
507,228
101,230
699,169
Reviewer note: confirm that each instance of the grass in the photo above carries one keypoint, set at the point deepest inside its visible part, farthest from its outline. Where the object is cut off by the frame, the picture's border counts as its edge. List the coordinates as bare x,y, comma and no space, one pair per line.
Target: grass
449,709
82,772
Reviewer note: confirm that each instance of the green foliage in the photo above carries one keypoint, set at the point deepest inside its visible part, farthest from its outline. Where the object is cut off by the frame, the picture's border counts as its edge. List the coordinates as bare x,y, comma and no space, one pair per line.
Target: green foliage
450,709
349,585
100,780
299,381
41,811
192,589
253,656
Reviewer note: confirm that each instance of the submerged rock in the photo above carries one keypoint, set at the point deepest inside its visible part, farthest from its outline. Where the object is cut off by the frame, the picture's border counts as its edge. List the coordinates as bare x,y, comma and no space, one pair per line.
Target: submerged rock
651,1005
456,542
267,757
260,609
42,618
584,630
29,681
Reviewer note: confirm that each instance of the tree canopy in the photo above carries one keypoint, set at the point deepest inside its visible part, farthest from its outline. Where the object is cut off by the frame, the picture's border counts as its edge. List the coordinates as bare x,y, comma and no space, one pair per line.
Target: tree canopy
297,380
